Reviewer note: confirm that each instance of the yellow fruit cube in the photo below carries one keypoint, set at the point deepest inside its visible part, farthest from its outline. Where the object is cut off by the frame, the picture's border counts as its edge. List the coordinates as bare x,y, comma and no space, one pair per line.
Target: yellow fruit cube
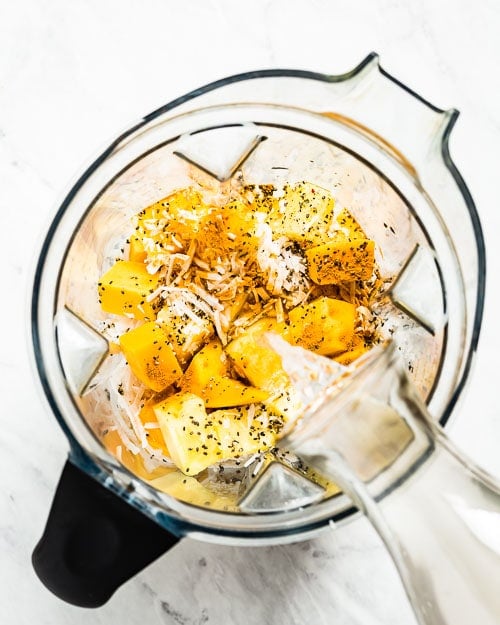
188,432
186,333
153,434
207,377
124,289
237,438
325,325
167,226
304,213
240,221
357,348
133,462
196,439
209,362
341,260
136,253
150,356
255,360
349,227
225,392
179,205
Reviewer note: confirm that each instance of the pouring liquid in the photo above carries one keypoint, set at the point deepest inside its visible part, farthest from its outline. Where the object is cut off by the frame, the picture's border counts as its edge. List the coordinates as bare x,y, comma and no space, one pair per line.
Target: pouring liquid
442,528
437,513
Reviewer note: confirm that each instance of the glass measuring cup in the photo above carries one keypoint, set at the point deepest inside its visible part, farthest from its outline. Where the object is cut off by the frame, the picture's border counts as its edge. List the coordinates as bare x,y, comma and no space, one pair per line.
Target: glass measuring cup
436,511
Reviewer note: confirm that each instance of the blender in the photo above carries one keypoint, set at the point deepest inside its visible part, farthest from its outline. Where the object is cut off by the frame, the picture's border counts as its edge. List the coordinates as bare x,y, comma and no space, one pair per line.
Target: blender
383,152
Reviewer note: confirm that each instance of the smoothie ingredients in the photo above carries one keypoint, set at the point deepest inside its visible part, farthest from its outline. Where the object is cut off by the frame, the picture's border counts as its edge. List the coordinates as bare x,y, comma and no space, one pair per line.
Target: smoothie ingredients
203,283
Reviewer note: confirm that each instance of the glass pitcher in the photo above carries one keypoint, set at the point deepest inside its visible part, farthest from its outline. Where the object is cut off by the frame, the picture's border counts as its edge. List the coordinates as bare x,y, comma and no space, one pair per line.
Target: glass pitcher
383,151
436,511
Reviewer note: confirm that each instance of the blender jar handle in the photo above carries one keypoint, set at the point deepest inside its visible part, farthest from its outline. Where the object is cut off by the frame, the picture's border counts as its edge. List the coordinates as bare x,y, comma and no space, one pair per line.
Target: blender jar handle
94,541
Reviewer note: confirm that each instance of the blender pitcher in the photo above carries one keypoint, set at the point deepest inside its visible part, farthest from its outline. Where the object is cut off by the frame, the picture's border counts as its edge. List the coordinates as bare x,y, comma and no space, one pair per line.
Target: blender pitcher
383,152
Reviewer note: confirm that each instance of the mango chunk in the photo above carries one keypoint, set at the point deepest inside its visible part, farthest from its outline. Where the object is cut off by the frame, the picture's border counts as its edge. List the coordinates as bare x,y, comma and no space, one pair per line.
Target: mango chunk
196,439
226,392
185,213
133,462
208,363
304,213
232,227
187,328
237,438
207,377
137,253
188,432
183,205
241,222
357,348
257,362
153,434
150,356
167,226
123,290
349,227
341,260
325,325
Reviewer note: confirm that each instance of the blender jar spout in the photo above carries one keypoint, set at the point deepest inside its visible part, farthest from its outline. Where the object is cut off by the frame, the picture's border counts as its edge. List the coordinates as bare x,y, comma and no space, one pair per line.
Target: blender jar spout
392,115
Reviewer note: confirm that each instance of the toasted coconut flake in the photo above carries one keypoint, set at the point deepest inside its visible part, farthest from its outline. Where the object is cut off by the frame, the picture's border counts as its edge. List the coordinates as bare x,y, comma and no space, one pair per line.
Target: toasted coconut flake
218,328
187,262
176,242
280,313
201,263
251,414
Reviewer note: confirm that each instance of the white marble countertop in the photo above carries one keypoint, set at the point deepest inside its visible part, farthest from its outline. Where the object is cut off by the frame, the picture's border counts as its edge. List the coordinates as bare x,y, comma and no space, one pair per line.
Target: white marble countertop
72,76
